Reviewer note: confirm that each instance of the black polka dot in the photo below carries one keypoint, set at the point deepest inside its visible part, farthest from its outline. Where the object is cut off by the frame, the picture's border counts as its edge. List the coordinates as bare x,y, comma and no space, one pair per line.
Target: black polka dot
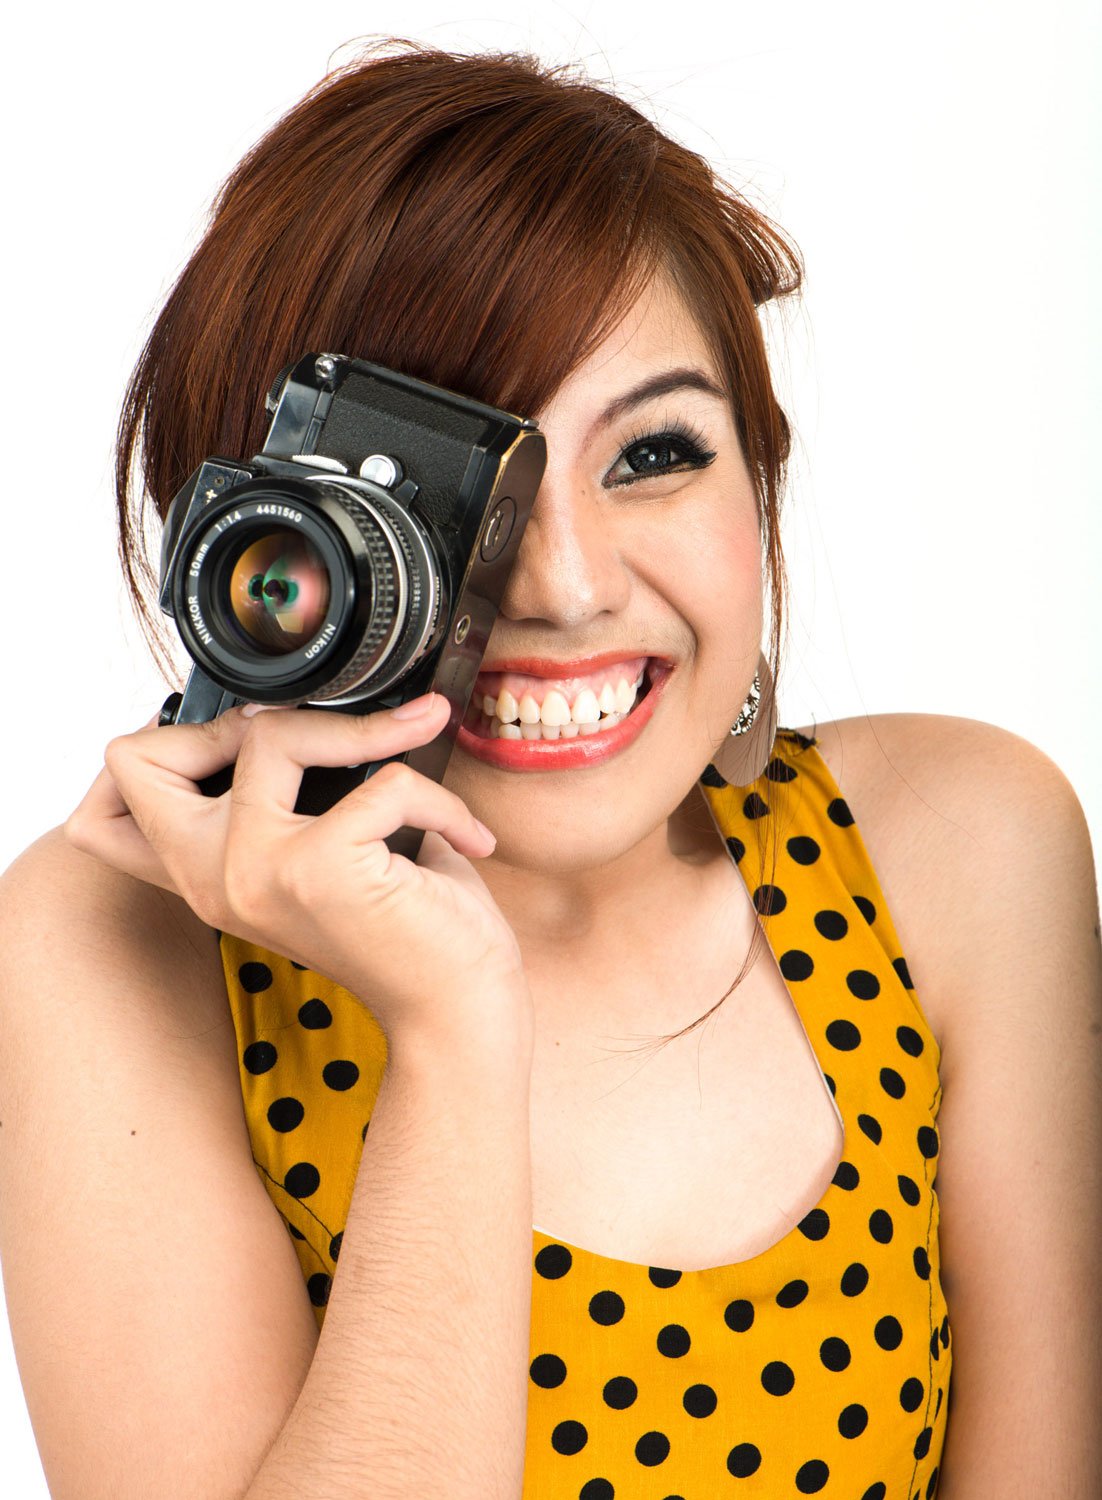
811,1477
815,1225
911,1393
838,812
296,1234
900,967
922,1442
855,1278
737,848
931,1484
754,807
945,1332
700,1401
660,1276
620,1392
927,1141
739,1315
834,1353
335,1245
792,1294
770,900
553,1261
315,1015
876,1491
259,1057
935,1347
363,1132
863,984
569,1437
295,965
853,1420
285,1114
870,1125
888,1333
547,1371
922,1263
673,1341
340,1074
829,1081
743,1460
711,777
795,964
846,1176
909,1040
606,1308
318,1286
653,1448
881,1227
777,1378
843,1035
892,1083
302,1179
254,977
908,1189
831,925
596,1489
780,770
866,908
804,850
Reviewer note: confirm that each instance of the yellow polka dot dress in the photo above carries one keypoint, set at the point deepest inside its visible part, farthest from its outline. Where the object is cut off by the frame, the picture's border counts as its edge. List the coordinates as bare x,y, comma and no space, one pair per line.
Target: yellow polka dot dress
820,1366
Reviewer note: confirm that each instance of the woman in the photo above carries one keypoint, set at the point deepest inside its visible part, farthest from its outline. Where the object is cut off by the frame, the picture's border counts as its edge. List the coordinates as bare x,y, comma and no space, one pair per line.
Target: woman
620,1112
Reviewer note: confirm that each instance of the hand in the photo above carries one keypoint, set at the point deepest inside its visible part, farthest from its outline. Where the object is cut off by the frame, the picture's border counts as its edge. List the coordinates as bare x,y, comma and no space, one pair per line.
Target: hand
415,941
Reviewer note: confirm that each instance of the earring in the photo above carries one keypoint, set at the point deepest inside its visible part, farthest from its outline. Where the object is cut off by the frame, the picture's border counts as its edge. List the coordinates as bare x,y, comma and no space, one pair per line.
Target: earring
746,751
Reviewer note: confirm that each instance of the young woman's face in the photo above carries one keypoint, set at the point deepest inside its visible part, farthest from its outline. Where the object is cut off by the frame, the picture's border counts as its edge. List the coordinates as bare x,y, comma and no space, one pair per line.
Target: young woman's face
642,550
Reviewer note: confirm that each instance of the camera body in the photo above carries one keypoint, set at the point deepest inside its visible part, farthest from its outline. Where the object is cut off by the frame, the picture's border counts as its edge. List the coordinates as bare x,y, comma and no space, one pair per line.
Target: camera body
357,561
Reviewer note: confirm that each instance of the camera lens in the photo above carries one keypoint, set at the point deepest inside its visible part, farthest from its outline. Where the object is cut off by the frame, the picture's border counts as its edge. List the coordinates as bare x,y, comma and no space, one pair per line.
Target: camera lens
278,591
307,590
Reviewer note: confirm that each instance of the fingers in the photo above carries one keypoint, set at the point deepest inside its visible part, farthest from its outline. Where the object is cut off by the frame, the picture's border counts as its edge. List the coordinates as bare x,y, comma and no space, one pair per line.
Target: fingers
280,745
397,796
101,824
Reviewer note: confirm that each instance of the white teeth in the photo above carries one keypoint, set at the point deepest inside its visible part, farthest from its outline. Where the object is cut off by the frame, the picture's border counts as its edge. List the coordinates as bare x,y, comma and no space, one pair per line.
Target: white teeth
531,731
586,709
489,706
568,731
555,710
507,731
506,706
589,728
528,710
607,699
625,696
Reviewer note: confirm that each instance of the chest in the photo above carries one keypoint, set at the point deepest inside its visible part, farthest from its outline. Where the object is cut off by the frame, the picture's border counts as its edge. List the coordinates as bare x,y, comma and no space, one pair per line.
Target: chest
704,1152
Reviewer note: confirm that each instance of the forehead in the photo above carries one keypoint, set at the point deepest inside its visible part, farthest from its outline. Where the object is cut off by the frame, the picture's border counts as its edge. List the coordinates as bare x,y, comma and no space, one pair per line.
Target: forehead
658,332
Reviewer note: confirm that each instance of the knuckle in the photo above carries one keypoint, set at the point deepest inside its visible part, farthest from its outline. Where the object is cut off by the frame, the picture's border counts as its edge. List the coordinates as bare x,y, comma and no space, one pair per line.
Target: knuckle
394,776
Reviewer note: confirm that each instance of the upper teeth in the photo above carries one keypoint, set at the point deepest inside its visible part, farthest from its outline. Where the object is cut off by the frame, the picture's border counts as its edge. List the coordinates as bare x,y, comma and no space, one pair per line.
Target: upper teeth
587,707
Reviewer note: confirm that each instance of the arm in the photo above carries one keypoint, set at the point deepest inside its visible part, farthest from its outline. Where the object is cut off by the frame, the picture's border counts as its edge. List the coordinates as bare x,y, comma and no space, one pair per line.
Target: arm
164,1336
1020,1174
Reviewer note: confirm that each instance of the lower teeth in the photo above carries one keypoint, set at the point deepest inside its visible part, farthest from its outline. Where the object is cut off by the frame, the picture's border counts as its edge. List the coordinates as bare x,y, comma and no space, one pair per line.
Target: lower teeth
494,729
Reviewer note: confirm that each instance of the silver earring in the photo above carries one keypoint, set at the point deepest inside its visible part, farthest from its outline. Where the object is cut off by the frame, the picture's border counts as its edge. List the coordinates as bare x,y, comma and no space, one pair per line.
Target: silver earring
749,708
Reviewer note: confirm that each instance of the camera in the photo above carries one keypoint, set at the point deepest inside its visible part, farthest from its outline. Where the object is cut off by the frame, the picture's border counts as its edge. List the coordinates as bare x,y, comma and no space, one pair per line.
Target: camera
357,561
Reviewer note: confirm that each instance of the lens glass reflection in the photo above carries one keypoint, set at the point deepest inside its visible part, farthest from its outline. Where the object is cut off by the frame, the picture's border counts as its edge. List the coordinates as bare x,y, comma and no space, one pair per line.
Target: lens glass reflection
279,592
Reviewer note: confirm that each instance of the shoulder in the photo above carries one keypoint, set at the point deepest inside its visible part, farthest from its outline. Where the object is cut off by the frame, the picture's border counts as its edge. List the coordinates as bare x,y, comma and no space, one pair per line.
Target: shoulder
964,823
72,914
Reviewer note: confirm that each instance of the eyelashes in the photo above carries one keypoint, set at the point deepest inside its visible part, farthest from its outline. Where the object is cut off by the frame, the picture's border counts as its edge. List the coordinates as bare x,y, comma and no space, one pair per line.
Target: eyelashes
684,439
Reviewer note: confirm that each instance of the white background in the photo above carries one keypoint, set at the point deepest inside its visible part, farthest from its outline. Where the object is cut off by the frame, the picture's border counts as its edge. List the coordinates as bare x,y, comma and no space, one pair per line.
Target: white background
935,166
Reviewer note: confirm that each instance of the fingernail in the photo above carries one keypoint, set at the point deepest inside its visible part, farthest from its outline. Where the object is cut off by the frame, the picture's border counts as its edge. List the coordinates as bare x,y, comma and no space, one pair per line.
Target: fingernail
416,708
491,836
248,709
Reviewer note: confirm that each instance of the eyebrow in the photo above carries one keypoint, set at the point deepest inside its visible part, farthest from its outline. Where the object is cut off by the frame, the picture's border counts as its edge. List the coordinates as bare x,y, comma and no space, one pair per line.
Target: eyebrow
660,385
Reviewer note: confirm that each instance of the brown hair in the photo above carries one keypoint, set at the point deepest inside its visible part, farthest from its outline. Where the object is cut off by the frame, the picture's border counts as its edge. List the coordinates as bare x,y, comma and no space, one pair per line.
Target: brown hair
478,221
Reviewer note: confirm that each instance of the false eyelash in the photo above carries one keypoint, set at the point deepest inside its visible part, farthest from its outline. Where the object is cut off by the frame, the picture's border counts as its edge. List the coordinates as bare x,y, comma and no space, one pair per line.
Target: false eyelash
690,438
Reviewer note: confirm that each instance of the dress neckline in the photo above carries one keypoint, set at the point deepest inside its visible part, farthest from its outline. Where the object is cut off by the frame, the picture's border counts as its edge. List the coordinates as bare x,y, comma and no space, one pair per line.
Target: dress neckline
794,744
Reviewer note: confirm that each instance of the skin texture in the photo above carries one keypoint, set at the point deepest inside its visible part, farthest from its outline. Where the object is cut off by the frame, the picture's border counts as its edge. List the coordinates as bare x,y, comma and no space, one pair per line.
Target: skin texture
590,863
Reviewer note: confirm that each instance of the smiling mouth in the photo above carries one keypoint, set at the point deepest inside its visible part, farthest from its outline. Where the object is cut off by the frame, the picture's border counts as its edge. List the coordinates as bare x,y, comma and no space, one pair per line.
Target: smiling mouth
558,714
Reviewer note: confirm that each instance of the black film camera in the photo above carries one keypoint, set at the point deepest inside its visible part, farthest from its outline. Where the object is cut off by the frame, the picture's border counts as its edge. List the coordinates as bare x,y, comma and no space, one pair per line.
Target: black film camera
357,561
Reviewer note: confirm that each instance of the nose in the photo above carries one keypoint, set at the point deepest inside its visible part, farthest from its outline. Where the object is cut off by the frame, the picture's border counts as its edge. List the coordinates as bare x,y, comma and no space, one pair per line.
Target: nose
569,569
